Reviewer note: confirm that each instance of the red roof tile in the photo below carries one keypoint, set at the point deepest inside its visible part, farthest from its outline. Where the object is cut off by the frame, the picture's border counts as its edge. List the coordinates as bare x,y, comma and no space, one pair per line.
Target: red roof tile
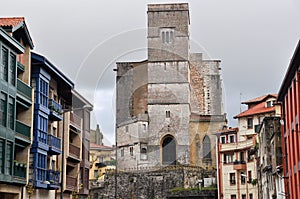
258,109
259,99
11,21
97,146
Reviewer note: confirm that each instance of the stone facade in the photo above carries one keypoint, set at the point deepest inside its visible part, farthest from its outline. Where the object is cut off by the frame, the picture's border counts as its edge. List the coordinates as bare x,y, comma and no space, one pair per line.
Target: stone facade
160,99
157,182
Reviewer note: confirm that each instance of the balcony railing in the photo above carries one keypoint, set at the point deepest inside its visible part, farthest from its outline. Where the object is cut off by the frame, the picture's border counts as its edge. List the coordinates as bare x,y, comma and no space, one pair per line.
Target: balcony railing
54,144
23,130
20,170
238,145
239,165
55,110
53,177
55,106
24,89
74,151
75,120
70,182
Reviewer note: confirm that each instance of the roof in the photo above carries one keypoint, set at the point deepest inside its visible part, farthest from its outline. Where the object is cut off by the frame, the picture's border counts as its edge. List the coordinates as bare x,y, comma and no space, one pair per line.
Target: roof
11,41
294,66
227,131
257,109
13,24
51,67
100,147
11,21
259,99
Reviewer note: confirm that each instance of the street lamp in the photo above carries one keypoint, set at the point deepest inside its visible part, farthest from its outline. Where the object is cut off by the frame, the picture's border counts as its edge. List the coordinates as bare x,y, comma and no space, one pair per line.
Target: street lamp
88,107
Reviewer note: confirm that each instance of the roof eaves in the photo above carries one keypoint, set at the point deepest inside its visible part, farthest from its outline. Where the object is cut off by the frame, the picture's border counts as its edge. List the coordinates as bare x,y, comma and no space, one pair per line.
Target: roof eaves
53,68
292,68
17,46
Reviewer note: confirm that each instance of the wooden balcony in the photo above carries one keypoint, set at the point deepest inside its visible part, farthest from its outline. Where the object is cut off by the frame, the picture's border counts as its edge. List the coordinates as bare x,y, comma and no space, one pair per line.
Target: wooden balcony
74,152
238,145
75,121
239,165
71,183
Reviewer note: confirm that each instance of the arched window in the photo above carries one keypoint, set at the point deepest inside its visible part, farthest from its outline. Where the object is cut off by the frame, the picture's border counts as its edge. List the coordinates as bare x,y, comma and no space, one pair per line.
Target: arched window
206,148
168,150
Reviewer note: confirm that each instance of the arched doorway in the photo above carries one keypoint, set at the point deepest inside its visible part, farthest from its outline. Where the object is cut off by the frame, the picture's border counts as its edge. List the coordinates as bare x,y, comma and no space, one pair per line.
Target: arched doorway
168,150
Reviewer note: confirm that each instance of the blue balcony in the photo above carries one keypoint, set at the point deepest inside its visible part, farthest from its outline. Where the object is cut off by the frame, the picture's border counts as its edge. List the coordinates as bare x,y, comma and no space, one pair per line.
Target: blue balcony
54,179
19,173
54,145
55,110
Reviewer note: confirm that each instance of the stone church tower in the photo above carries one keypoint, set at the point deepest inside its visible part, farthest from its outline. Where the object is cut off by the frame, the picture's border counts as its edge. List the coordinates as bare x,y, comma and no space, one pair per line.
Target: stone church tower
168,106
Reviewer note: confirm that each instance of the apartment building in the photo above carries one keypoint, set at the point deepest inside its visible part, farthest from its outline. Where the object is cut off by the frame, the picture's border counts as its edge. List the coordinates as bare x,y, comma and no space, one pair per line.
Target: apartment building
289,97
59,161
269,159
16,107
237,166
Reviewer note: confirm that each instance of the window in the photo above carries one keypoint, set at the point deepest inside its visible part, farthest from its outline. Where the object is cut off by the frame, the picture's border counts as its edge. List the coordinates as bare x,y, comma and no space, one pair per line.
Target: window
242,157
167,36
122,152
126,129
231,139
250,123
12,70
243,196
3,99
4,64
206,147
250,196
168,114
223,139
8,158
1,155
43,93
95,173
131,151
243,178
233,196
144,127
11,113
228,158
43,129
249,176
232,178
144,152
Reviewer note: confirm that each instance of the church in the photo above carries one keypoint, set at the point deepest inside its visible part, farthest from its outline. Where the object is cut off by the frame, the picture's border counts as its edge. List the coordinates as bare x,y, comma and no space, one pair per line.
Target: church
169,106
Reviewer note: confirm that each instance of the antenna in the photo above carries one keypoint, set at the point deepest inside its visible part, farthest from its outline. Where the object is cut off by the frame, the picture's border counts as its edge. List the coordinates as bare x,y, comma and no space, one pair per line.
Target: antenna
240,102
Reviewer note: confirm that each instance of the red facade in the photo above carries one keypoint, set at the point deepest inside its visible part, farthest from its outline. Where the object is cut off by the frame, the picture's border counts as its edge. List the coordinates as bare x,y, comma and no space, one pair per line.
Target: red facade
289,96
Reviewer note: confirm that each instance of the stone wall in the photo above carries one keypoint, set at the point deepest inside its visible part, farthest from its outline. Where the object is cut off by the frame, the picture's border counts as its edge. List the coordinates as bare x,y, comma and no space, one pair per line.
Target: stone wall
156,183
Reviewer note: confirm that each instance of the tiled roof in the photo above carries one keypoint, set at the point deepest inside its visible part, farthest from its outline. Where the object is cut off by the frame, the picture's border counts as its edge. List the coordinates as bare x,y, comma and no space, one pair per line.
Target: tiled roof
97,146
259,99
258,109
11,21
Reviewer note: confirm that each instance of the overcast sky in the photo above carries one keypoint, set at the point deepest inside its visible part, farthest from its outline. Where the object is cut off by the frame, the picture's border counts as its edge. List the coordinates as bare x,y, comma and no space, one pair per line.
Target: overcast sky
254,39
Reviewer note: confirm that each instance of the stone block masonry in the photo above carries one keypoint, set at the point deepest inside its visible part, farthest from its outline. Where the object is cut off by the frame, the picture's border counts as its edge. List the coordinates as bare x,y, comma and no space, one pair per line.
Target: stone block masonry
153,183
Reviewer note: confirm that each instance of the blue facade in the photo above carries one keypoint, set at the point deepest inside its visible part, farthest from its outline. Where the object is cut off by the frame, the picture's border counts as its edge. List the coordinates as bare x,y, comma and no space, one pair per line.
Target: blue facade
46,111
